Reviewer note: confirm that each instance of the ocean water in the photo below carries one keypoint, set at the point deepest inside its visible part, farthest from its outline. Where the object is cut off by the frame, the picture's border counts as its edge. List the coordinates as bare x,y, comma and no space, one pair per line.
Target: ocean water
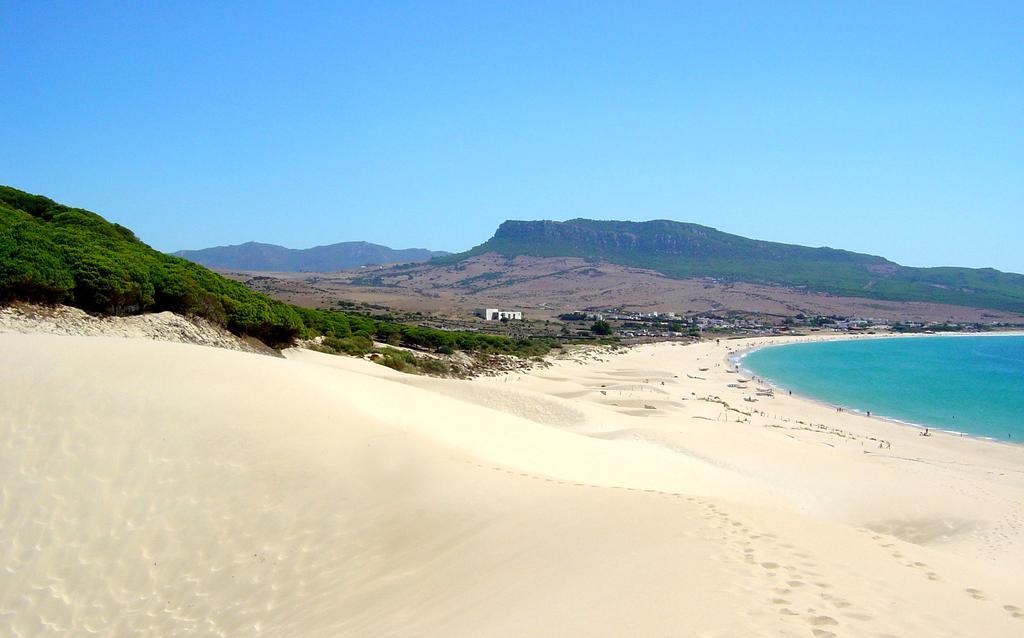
973,385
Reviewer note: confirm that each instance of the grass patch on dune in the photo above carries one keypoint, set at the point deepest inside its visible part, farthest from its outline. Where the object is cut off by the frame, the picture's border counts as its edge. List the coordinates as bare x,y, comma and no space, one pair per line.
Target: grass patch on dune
394,358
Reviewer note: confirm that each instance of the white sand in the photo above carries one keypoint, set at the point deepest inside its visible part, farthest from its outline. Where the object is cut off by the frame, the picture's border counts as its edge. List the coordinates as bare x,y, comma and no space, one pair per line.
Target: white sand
159,326
163,489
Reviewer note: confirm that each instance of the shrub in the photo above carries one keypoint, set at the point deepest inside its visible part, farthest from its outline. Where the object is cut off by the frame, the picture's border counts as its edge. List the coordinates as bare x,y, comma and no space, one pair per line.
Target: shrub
400,360
434,366
357,345
31,267
601,327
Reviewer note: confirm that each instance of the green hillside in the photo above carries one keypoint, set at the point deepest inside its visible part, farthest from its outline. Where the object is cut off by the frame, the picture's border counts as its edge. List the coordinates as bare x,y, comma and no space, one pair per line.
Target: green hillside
50,253
683,250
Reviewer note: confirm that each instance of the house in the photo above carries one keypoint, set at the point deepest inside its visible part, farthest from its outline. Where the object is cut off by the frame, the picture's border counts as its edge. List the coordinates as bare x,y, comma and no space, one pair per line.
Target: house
493,314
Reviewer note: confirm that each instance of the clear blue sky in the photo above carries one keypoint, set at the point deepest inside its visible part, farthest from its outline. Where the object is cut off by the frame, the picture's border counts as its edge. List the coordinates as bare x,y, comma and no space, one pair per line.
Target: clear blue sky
892,128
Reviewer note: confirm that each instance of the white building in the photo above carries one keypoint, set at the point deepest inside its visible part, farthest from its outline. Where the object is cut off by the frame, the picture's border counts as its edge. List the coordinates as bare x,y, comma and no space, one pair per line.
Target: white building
493,314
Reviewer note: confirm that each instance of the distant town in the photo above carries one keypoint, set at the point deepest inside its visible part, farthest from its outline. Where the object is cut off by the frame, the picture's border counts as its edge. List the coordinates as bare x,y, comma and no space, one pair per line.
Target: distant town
668,325
633,326
671,324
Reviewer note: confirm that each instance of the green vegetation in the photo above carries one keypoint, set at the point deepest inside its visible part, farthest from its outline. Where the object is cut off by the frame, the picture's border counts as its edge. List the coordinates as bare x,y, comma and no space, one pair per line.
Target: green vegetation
688,250
50,253
405,361
601,328
356,345
401,360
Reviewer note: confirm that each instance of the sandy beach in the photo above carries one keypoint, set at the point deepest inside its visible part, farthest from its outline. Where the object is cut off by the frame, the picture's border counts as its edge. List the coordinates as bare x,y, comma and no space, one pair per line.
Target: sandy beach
164,489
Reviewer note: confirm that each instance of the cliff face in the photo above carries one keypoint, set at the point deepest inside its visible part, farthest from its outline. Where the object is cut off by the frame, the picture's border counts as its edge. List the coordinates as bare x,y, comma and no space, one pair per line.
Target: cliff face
662,237
681,250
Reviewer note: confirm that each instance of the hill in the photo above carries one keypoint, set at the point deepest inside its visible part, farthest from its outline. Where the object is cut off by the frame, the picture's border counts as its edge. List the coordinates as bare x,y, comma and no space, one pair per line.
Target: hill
270,257
682,250
51,253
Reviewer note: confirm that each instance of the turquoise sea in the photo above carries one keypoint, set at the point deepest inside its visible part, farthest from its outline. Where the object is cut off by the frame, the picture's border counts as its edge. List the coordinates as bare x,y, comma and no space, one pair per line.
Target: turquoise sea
973,385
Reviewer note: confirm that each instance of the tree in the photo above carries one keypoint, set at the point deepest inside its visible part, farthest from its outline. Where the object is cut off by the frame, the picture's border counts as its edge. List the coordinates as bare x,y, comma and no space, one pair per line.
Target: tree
601,327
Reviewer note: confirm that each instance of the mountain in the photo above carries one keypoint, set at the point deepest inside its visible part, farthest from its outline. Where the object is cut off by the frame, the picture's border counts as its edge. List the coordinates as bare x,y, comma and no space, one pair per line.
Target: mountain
268,257
682,250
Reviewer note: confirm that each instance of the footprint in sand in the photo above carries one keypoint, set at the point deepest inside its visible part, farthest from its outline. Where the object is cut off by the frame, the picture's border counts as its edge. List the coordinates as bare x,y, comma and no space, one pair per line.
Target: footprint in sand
822,621
821,633
770,565
976,594
856,615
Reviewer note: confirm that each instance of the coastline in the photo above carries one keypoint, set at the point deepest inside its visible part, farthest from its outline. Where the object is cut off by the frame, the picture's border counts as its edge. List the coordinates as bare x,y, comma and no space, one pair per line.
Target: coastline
737,359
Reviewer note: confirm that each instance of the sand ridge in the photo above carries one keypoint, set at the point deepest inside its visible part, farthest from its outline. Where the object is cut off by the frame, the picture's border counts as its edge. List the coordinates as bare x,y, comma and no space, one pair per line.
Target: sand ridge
187,490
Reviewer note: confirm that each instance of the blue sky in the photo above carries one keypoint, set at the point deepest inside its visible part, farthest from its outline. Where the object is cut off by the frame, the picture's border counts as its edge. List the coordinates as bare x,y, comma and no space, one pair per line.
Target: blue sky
893,128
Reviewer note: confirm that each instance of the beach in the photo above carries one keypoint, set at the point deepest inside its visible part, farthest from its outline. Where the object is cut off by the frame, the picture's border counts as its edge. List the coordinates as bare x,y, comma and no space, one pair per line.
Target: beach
163,489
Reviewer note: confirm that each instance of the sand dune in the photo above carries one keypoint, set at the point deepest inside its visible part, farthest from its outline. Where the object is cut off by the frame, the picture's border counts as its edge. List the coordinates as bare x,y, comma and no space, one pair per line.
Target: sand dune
164,489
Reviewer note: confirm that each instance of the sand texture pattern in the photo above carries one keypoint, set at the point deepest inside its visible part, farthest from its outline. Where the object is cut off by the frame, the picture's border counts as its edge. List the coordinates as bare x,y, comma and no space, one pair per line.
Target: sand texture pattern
164,489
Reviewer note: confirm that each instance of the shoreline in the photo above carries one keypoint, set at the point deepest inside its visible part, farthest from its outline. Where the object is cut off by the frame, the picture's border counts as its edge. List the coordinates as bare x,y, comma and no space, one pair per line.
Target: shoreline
737,358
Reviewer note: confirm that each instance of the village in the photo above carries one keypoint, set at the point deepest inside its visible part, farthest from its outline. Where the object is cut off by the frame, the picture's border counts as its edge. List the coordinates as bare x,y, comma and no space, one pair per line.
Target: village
639,325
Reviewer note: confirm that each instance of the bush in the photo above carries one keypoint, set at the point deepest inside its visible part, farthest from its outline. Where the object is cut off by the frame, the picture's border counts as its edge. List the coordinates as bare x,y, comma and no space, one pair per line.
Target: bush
31,267
405,361
434,366
357,345
400,360
601,327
